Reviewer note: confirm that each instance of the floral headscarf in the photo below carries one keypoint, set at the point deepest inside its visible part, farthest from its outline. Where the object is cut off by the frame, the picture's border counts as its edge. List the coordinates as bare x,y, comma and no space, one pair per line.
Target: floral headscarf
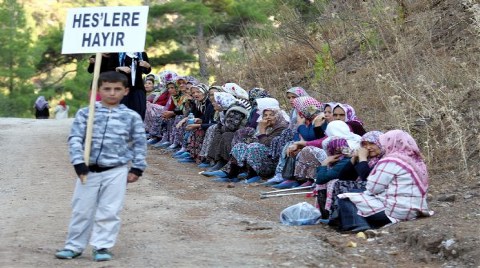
192,80
257,93
349,113
373,137
224,100
201,103
235,90
402,149
340,129
336,145
298,91
307,107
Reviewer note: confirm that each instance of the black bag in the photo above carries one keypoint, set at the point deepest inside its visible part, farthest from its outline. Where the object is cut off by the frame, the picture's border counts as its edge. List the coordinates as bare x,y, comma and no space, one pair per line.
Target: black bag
288,172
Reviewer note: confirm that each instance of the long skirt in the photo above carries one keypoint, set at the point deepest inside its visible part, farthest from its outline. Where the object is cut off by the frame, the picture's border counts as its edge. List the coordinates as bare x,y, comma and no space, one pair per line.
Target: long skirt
308,159
278,143
256,156
154,119
137,101
194,143
208,141
220,150
177,133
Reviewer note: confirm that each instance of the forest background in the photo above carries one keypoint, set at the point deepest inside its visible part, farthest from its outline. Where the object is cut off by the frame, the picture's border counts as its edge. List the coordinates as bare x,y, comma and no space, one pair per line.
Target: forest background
408,64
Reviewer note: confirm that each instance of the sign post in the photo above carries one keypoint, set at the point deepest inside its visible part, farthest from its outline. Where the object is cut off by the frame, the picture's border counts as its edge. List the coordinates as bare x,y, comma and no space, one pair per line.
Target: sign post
103,29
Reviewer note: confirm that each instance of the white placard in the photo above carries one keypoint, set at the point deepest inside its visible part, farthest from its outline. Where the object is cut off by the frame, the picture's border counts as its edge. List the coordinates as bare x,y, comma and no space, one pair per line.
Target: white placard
105,29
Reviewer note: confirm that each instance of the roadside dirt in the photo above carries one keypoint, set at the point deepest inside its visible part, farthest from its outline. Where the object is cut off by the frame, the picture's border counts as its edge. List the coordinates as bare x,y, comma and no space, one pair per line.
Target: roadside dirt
174,217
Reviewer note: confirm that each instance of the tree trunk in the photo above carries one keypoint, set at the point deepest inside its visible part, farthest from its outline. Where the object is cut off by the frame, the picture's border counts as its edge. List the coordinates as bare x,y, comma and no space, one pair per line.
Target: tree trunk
202,56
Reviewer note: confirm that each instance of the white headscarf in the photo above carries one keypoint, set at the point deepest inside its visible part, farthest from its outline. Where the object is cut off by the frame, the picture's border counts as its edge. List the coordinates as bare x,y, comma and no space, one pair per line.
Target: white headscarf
340,129
235,90
270,104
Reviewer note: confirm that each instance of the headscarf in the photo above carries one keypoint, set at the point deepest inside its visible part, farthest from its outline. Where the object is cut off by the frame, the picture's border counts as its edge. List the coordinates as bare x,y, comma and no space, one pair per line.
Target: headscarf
340,129
41,103
201,104
307,107
271,104
181,78
335,145
350,115
63,104
373,137
298,91
192,80
177,98
402,149
164,78
256,93
235,90
330,104
224,100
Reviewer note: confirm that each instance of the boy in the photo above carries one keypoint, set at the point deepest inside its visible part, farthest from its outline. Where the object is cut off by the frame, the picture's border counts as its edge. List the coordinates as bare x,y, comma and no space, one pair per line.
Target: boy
118,138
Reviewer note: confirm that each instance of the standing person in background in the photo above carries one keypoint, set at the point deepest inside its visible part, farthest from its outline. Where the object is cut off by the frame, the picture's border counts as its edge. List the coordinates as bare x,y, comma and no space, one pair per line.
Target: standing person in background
61,110
41,108
134,65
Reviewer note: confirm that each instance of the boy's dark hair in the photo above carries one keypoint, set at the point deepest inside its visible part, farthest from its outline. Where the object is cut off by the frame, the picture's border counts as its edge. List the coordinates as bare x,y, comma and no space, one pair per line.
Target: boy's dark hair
112,77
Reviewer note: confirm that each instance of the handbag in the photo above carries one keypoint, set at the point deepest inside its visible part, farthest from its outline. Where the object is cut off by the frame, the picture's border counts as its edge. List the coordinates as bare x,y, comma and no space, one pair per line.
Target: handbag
288,172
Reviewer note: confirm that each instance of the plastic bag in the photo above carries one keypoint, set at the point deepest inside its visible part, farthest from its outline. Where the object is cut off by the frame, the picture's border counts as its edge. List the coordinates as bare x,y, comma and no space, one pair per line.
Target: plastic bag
300,214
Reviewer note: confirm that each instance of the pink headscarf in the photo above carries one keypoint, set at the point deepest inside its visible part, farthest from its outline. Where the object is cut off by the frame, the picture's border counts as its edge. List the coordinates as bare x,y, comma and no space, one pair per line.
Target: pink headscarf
373,137
350,114
307,107
402,149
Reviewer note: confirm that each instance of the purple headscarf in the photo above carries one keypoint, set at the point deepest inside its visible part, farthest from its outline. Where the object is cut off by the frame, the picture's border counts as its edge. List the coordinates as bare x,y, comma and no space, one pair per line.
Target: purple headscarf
41,103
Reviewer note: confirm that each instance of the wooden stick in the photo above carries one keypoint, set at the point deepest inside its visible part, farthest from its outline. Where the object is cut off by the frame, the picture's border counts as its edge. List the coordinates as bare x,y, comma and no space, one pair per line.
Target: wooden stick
91,113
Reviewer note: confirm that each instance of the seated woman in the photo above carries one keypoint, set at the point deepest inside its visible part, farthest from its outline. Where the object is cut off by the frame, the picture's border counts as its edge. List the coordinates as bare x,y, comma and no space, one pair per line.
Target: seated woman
235,116
347,114
310,116
203,112
353,177
396,189
255,156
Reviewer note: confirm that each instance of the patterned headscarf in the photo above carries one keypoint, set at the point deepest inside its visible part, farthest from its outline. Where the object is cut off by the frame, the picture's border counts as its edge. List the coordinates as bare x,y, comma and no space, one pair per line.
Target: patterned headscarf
340,129
336,145
307,107
201,103
166,77
402,149
271,104
373,137
41,103
192,80
298,91
224,100
349,113
235,90
256,93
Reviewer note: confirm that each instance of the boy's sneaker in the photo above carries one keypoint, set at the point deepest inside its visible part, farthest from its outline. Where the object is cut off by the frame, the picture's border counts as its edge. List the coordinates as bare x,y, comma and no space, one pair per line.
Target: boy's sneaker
67,254
102,255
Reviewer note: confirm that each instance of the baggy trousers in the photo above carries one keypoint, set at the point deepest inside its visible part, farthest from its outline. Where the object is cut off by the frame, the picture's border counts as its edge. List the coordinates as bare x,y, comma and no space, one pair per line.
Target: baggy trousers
96,206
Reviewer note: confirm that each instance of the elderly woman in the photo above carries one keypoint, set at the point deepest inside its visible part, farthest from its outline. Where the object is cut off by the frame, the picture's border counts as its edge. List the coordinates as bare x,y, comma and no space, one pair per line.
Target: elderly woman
255,156
396,189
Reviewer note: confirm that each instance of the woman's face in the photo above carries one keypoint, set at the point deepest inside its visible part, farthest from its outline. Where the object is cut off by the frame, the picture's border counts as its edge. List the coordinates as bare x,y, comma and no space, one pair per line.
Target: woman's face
197,94
269,116
373,149
339,114
291,97
182,85
171,89
189,85
328,113
148,86
211,95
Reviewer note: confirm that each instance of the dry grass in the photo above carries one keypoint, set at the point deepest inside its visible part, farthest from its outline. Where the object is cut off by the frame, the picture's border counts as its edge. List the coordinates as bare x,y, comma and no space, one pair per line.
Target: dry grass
411,65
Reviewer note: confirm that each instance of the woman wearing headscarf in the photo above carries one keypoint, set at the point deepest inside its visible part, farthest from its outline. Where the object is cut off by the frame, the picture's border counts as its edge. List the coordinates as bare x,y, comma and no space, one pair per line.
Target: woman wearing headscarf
353,176
255,156
41,108
396,188
309,116
235,116
203,112
347,114
61,110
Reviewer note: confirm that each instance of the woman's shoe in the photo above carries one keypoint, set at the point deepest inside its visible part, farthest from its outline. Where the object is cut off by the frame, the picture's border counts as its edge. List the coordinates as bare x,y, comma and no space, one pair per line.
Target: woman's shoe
204,165
243,176
217,166
253,179
287,184
186,160
182,155
306,184
217,173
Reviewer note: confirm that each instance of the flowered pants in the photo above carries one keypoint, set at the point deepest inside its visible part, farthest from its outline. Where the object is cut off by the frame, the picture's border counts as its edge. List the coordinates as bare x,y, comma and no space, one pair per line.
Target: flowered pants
308,159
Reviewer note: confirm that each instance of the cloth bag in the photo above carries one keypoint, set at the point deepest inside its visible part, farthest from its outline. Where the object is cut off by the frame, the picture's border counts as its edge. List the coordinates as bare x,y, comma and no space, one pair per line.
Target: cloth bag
288,172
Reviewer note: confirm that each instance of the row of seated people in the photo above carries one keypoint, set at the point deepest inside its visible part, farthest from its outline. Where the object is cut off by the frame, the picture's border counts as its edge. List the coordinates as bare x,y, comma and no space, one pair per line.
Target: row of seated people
361,179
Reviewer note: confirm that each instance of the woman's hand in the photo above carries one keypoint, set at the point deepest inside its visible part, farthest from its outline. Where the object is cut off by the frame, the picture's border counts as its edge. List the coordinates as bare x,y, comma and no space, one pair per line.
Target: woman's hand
192,127
319,120
91,60
331,159
262,126
198,120
362,154
181,122
168,114
124,69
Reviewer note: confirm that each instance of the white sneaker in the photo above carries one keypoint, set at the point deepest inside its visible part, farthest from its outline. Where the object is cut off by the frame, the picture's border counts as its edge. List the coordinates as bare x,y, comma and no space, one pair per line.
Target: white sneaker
277,178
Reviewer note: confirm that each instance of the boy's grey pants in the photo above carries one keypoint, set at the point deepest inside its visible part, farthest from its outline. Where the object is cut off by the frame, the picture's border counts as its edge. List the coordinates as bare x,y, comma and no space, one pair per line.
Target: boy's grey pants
96,206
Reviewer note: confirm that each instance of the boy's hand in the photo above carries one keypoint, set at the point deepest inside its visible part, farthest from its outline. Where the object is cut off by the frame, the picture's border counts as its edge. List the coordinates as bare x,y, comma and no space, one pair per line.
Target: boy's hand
81,169
132,178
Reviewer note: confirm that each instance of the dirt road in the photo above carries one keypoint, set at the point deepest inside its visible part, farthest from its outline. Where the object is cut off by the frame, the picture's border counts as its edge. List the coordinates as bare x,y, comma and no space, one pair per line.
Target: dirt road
173,217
